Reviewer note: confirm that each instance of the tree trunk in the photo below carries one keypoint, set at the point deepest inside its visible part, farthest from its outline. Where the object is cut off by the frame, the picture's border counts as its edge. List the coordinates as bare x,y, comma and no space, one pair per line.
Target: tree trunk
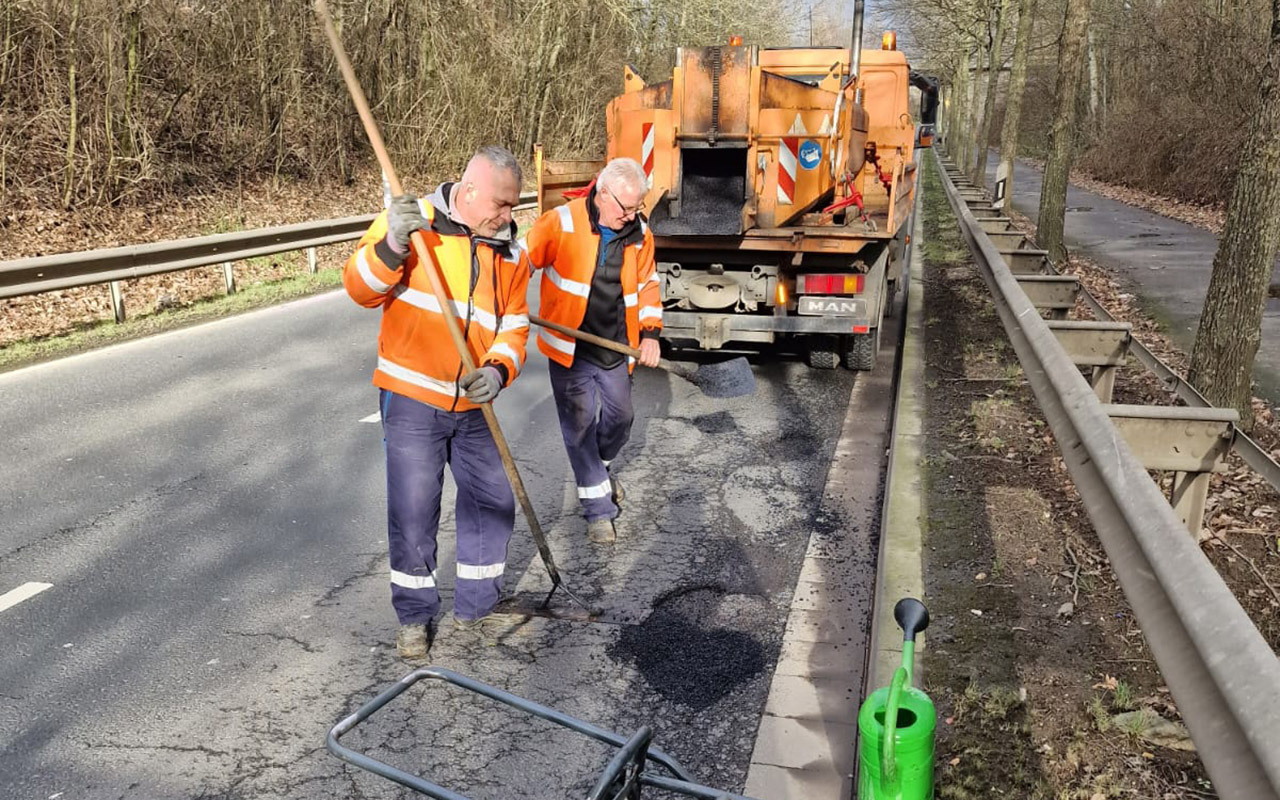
1013,97
1057,168
993,83
1094,79
69,177
975,104
1231,322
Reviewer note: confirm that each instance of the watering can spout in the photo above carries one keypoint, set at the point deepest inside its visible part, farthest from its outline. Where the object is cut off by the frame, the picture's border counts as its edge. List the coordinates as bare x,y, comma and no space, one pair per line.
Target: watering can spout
912,617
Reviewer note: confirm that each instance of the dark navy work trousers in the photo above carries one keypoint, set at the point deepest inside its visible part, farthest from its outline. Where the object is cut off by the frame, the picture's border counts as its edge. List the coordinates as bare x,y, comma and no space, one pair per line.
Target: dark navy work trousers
420,440
594,405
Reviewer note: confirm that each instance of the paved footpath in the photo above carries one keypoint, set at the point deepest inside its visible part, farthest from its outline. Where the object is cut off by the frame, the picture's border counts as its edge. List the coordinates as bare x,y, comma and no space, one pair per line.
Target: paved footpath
1165,263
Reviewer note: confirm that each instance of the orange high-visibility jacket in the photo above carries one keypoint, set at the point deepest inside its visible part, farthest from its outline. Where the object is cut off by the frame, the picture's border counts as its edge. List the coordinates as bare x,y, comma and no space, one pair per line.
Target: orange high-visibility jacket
565,244
487,285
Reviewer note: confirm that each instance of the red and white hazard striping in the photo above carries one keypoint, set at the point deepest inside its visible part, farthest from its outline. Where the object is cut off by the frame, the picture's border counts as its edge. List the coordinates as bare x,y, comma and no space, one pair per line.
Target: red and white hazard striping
646,151
788,155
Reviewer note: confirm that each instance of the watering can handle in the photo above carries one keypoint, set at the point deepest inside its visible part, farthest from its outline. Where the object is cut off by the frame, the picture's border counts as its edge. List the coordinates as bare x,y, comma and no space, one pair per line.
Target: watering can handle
888,764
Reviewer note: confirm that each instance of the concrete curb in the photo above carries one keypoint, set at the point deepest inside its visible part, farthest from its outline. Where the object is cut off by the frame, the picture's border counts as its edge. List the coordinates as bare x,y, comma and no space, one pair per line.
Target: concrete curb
900,572
806,744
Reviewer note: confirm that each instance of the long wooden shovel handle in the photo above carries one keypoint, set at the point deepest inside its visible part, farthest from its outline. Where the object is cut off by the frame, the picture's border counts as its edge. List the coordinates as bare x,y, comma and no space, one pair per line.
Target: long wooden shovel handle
608,344
427,260
589,338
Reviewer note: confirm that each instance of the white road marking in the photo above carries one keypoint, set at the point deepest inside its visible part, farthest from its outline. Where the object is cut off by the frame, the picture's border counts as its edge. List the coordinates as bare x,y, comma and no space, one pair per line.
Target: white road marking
24,592
375,417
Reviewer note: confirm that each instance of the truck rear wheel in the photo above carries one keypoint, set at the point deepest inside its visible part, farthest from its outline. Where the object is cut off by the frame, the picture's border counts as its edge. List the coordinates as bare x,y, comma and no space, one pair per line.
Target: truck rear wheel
822,353
860,351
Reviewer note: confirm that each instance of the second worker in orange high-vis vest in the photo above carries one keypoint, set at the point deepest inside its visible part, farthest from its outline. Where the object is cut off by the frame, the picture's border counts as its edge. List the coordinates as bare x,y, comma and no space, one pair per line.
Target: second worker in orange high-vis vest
430,405
598,276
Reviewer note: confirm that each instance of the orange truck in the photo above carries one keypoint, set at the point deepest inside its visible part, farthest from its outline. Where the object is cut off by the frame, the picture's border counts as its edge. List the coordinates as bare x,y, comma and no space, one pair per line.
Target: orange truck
781,182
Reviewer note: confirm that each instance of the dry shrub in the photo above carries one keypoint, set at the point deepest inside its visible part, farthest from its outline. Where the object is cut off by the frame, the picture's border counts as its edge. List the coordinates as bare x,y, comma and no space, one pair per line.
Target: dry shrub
119,101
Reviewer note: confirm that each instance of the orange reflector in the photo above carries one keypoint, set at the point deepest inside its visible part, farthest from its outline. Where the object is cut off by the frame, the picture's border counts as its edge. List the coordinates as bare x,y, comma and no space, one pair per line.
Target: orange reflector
781,294
735,41
862,329
889,41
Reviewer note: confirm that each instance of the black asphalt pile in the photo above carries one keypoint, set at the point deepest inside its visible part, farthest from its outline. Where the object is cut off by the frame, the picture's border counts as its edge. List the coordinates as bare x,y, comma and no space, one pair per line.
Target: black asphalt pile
731,378
685,652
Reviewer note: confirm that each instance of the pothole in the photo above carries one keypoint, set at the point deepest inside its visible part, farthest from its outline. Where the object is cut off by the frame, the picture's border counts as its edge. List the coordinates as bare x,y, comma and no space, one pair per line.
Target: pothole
695,649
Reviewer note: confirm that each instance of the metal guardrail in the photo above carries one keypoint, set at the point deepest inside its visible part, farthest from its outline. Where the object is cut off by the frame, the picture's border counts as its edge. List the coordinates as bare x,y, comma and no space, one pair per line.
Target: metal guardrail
27,276
1221,672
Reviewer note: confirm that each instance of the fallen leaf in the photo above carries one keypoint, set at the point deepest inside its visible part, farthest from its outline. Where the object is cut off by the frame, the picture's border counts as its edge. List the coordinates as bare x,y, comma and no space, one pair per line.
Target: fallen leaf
954,761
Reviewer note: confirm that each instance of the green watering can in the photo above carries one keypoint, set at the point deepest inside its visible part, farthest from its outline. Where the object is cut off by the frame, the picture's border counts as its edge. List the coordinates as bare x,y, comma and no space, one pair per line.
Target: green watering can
900,766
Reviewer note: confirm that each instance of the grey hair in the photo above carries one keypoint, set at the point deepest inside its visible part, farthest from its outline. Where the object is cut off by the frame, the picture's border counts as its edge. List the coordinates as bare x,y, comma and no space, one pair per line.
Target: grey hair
623,171
502,158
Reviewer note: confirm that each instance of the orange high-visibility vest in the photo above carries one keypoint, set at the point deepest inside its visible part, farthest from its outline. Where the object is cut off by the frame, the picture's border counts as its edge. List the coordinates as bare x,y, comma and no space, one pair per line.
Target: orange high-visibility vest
416,356
565,244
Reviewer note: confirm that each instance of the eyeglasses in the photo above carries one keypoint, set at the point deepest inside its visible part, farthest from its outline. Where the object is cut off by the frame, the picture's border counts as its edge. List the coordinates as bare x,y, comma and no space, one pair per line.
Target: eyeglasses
626,212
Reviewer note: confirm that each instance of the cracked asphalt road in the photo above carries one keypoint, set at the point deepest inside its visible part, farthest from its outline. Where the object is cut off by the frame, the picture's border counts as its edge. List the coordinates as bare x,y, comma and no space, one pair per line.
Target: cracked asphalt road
210,511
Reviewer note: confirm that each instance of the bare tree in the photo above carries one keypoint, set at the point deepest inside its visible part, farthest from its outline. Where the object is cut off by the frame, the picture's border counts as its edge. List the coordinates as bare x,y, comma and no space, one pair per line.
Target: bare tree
1057,168
1013,101
996,61
1231,323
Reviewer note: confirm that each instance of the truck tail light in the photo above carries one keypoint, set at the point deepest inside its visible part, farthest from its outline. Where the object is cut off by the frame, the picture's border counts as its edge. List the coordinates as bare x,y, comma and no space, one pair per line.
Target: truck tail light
780,296
829,284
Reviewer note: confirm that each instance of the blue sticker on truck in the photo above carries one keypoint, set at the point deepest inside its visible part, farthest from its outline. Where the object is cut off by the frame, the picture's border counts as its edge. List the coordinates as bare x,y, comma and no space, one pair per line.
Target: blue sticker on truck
810,154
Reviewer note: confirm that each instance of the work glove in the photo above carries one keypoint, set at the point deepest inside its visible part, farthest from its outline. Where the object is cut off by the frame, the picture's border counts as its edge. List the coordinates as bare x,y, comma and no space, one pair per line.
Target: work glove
482,385
404,216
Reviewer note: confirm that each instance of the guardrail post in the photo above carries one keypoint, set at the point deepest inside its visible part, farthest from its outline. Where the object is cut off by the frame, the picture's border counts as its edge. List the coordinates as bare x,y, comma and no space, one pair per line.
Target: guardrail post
1104,346
1190,442
229,277
117,300
311,261
1009,240
1026,262
1057,293
996,224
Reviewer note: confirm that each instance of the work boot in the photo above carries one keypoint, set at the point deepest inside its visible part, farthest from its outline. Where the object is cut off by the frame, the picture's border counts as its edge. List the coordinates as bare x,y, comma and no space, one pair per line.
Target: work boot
413,641
618,494
601,531
494,625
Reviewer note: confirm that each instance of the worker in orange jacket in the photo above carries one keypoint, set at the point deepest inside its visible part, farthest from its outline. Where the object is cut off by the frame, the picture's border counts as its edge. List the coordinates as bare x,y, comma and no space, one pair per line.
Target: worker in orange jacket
430,409
598,276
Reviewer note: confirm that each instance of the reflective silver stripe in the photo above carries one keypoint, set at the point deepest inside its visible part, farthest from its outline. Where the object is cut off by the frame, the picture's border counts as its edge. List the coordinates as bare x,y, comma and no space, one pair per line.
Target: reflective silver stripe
472,572
592,492
424,300
566,219
428,302
487,321
366,272
643,227
652,279
501,349
413,581
512,322
649,312
556,343
630,299
565,284
447,388
607,462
